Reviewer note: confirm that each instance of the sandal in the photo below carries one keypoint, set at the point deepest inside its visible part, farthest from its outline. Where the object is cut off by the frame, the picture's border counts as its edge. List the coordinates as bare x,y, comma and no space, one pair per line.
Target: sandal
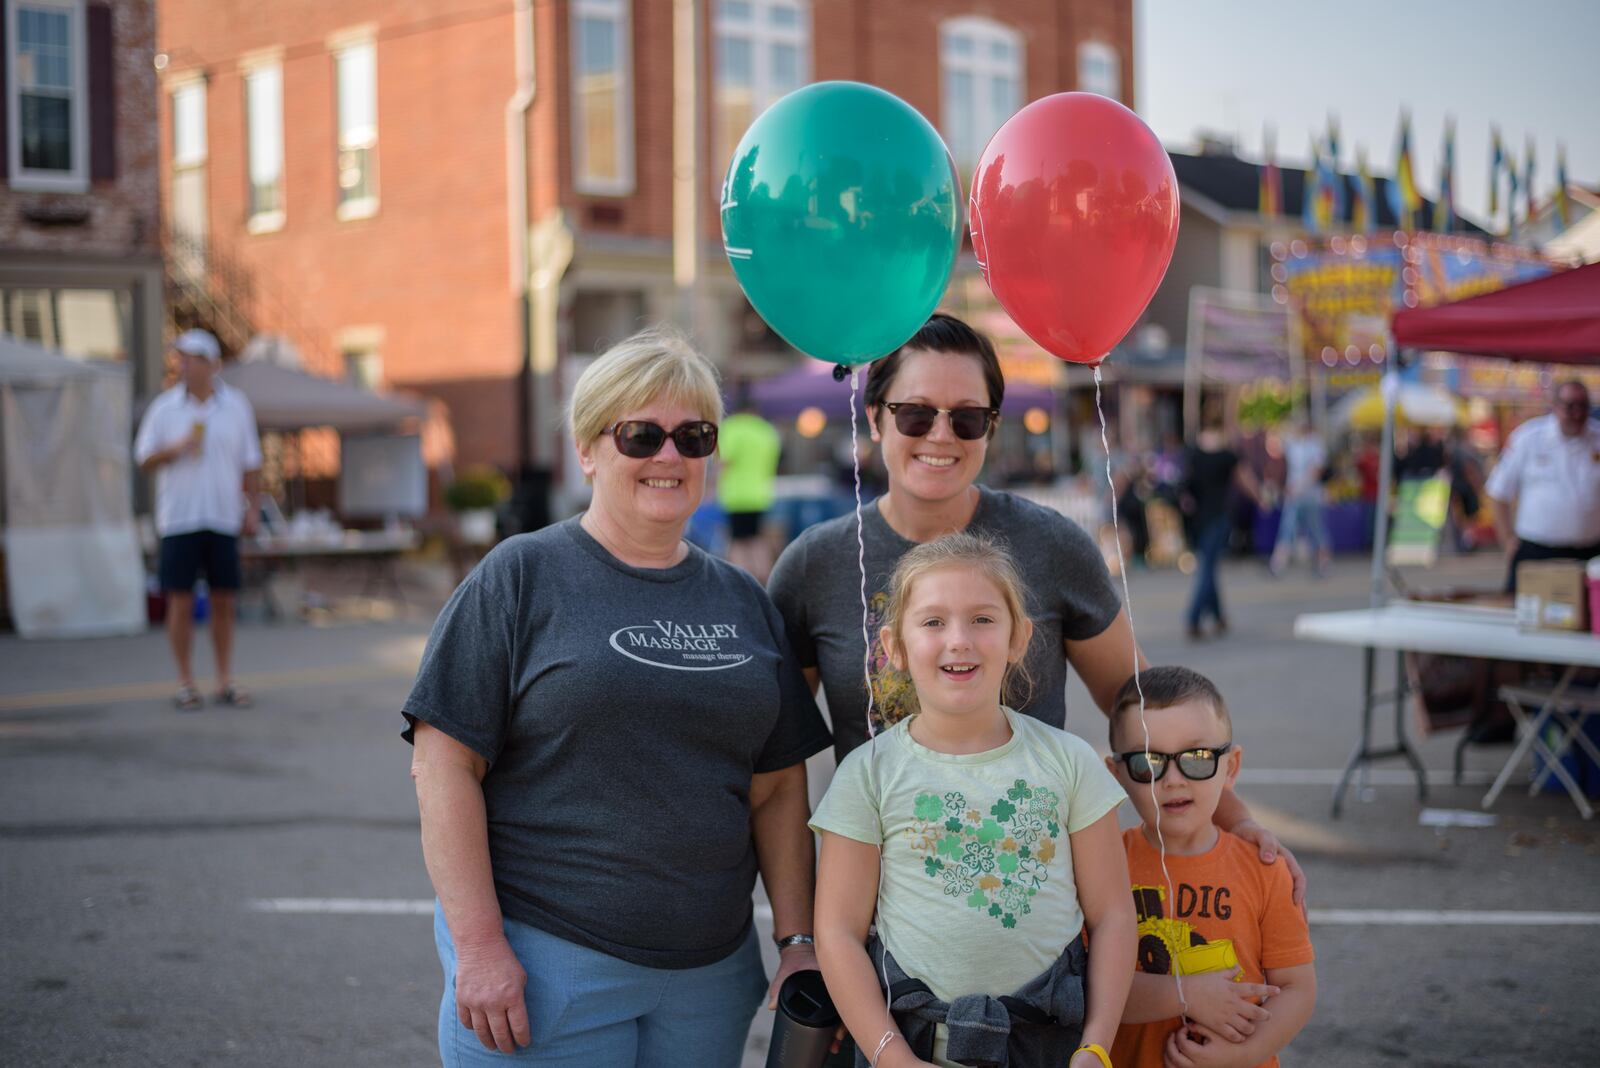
233,696
188,699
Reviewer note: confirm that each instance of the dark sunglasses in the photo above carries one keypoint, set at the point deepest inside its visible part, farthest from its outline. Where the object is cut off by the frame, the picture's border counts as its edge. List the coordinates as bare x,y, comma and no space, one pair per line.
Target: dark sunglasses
915,420
1197,765
641,439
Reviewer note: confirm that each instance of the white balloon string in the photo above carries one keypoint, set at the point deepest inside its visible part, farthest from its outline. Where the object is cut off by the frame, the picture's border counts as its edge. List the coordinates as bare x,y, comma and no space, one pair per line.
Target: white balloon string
1127,601
866,671
861,554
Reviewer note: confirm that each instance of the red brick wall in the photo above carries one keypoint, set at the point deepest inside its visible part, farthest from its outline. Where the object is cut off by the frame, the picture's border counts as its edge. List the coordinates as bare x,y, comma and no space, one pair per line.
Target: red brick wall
123,214
890,43
432,268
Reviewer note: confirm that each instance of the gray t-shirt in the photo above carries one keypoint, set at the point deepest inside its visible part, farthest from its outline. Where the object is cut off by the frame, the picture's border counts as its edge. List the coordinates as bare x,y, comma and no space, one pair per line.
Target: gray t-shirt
817,587
622,712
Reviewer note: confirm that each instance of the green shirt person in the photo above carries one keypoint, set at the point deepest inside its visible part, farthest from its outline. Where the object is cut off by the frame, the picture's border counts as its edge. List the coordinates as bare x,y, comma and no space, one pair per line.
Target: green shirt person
748,447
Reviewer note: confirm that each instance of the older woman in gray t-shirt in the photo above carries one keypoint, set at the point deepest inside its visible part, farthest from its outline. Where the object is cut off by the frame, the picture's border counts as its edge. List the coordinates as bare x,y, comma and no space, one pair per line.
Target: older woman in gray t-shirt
610,734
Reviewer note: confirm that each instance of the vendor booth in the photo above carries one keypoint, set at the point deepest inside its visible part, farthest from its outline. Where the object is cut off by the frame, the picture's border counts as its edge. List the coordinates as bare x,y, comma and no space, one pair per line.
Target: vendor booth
381,476
72,562
1554,319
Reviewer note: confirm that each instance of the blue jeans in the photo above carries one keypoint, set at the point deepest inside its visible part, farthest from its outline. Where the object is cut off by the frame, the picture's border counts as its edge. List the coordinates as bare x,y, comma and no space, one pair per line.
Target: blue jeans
591,1009
1206,598
1303,515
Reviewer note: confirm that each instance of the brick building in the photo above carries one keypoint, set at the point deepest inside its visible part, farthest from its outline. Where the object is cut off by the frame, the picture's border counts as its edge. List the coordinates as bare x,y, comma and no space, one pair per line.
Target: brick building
467,197
80,233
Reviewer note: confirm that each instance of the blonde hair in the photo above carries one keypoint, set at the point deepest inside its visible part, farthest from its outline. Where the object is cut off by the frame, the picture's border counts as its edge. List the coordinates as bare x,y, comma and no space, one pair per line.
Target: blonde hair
658,363
972,552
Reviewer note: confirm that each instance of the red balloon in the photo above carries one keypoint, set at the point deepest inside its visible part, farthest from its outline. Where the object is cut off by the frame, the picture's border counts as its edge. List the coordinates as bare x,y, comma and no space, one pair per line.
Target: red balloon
1074,213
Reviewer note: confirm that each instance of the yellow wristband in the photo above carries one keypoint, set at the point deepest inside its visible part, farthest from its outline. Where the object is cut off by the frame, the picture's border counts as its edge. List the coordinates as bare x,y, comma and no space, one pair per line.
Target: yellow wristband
1098,1050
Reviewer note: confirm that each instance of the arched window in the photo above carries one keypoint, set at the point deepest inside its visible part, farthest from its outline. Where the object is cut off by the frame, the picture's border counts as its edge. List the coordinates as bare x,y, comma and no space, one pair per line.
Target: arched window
1099,69
981,73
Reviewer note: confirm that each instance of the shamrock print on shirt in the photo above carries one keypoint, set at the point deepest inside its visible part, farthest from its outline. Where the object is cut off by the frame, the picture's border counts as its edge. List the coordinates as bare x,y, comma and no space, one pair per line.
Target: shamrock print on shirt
994,859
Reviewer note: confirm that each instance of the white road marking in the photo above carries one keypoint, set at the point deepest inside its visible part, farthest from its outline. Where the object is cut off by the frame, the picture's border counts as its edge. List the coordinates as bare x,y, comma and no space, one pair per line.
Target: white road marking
1449,918
345,906
1375,777
354,906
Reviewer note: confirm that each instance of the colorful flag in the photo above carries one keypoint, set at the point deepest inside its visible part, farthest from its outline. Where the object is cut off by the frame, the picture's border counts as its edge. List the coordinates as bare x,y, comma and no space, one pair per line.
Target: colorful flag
1309,216
1333,179
1515,184
1563,204
1364,214
1404,199
1329,196
1444,209
1527,182
1497,161
1270,201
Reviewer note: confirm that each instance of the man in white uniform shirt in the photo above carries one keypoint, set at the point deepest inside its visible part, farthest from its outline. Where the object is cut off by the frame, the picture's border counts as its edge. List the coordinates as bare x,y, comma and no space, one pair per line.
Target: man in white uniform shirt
1546,487
199,439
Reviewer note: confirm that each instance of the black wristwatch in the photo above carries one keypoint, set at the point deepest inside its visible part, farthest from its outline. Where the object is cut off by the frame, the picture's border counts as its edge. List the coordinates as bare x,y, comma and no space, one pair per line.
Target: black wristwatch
794,940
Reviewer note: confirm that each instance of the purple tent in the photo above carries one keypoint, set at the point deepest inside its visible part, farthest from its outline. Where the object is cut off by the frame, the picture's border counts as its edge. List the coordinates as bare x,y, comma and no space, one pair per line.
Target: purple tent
812,386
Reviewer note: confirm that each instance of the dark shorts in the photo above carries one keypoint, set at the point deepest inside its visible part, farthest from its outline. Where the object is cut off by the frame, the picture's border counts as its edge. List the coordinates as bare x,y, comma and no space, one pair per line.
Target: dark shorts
744,525
185,557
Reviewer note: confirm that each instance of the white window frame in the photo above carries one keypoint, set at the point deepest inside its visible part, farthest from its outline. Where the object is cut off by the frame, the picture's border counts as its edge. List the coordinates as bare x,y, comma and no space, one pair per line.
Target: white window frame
980,32
761,34
367,206
32,179
620,14
197,85
264,222
189,252
1093,54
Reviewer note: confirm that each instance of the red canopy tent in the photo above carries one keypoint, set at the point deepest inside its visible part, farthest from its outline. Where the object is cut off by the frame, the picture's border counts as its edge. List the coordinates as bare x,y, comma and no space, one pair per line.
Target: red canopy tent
1554,319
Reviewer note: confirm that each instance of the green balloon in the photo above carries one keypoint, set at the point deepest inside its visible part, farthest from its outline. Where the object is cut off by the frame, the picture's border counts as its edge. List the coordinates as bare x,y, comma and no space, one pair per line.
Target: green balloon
841,218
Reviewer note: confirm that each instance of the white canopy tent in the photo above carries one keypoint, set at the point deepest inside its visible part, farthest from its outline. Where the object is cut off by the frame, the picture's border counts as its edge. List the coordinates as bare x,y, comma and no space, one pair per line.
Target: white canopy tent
288,399
73,566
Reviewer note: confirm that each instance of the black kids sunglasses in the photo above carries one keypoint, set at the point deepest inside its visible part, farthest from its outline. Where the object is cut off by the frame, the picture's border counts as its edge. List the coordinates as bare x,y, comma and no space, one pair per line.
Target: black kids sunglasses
1197,765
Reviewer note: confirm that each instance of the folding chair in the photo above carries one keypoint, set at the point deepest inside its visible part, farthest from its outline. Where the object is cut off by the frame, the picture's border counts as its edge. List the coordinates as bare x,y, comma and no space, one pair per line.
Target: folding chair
1569,708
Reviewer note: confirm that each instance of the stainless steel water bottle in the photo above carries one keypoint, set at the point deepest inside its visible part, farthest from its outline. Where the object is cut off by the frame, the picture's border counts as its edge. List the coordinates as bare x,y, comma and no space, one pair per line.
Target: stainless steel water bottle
803,1027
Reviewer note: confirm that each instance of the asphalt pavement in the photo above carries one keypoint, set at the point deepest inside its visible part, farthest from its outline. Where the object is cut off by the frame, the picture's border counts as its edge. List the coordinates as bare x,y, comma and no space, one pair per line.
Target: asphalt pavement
247,887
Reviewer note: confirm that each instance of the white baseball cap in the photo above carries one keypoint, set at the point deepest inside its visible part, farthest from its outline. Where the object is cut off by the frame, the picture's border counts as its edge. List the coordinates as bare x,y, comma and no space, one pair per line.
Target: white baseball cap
198,343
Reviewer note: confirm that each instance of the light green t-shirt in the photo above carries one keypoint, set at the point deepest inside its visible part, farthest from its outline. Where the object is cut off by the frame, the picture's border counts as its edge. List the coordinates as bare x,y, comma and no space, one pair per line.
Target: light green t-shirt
748,448
977,894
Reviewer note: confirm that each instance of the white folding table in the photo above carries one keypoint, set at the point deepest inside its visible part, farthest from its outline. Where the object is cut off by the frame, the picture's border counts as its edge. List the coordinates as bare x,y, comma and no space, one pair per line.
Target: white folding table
1459,630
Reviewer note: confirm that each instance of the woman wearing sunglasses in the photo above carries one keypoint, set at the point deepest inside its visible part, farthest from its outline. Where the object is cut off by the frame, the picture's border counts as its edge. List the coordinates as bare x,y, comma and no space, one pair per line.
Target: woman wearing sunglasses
932,406
610,739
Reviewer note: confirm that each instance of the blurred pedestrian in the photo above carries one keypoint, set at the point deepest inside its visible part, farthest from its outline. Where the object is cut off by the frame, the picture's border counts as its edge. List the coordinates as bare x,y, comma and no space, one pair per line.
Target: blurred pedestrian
748,447
1305,459
1466,489
611,735
1546,487
199,440
1211,471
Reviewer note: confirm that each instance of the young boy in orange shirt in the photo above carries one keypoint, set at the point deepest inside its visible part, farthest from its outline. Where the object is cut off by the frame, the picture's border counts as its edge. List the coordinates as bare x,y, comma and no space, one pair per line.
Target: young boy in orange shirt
1245,984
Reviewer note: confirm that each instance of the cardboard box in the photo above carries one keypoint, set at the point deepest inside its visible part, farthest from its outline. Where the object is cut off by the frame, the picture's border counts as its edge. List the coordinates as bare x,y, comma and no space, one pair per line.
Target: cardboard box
1551,595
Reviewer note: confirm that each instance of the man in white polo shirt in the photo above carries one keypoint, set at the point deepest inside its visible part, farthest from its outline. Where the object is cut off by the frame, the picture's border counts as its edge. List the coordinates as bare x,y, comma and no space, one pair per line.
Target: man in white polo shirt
1546,487
199,439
